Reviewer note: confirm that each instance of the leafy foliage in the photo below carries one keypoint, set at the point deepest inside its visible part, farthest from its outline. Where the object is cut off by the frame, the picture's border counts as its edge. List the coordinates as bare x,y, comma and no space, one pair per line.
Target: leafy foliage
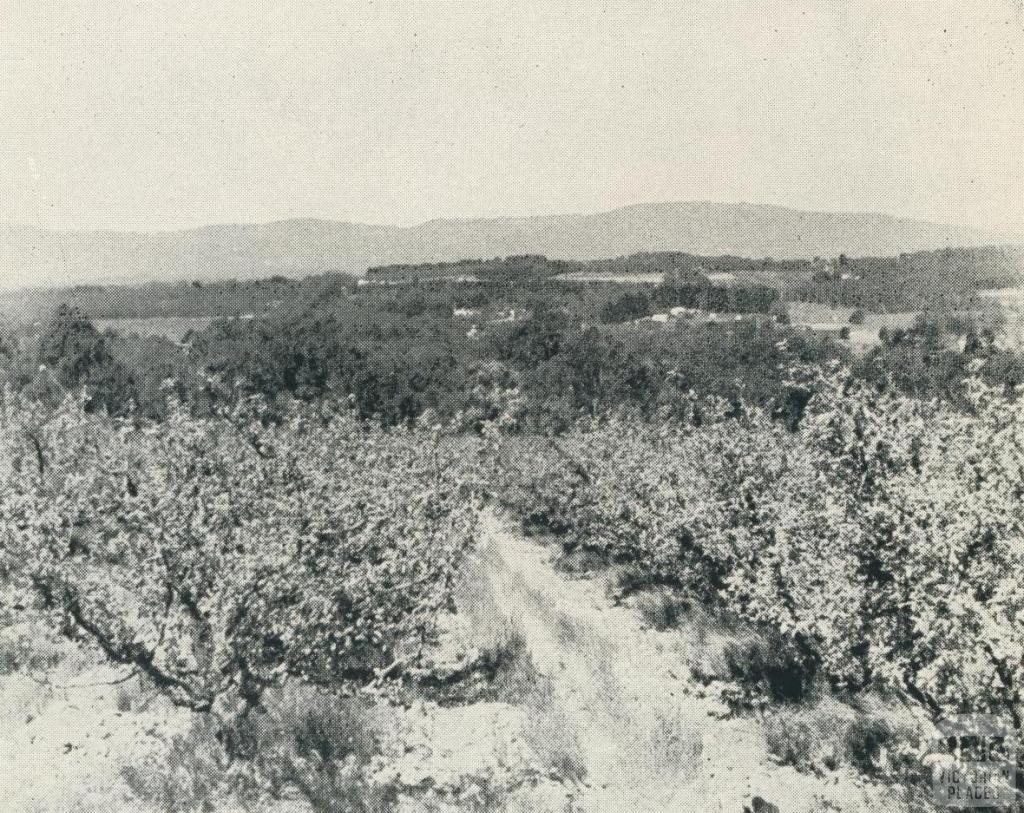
881,539
220,555
81,357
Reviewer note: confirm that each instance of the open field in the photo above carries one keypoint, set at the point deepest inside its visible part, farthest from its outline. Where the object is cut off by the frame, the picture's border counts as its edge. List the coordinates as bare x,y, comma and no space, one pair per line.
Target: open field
863,336
810,313
1011,304
171,327
639,278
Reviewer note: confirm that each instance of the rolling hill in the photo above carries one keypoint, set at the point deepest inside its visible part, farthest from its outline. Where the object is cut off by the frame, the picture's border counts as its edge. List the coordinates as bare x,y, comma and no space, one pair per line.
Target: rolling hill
30,256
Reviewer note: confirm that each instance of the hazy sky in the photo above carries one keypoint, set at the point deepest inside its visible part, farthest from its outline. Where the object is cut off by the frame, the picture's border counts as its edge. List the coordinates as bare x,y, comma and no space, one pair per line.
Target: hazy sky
157,115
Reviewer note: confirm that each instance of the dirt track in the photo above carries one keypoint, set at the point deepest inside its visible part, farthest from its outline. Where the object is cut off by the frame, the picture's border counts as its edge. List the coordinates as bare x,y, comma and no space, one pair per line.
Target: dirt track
651,737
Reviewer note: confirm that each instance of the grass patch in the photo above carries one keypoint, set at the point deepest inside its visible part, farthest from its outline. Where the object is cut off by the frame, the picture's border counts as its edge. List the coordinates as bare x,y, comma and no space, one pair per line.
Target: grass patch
192,776
667,751
581,562
867,735
625,580
766,664
662,608
133,694
508,669
31,647
306,743
551,735
763,665
808,737
499,666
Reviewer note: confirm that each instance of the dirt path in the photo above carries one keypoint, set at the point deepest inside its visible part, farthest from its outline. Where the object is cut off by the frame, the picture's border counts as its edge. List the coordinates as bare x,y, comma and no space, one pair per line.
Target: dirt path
650,737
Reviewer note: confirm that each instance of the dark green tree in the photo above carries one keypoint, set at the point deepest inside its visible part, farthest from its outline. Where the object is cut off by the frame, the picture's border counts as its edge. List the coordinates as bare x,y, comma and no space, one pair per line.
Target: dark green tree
79,356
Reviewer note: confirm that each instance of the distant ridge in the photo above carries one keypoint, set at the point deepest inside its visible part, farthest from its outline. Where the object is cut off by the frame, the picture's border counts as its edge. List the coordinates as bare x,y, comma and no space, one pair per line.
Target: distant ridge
300,247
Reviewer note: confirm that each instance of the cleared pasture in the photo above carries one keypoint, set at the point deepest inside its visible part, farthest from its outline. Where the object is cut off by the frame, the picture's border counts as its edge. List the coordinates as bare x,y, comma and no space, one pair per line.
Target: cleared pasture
172,327
639,278
814,313
863,336
1010,302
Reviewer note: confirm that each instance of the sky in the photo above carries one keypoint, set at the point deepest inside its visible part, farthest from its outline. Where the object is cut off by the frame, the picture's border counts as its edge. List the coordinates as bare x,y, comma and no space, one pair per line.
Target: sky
166,115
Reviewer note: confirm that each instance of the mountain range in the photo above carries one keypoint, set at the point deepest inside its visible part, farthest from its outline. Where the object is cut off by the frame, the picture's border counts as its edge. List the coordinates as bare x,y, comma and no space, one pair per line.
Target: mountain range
38,257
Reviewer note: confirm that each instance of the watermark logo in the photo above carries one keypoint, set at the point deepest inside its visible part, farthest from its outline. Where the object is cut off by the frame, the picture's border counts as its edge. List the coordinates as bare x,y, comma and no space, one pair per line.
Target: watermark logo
974,762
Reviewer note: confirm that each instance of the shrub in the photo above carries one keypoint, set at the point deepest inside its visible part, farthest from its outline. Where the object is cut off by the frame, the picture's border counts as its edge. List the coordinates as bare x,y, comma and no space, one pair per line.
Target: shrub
662,608
810,738
303,741
769,665
626,307
192,776
876,740
323,745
